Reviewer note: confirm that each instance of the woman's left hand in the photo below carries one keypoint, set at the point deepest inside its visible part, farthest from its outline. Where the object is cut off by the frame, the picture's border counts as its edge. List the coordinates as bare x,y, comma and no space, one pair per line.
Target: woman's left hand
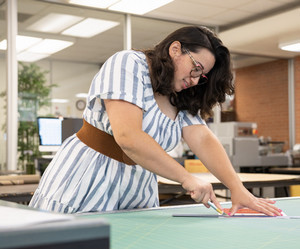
242,198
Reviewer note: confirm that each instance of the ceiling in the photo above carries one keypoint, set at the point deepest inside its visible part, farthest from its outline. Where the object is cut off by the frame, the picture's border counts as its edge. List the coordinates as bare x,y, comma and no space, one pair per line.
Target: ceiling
251,29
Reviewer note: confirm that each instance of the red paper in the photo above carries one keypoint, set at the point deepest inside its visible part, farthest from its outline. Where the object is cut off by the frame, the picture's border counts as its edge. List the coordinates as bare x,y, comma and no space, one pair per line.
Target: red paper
244,211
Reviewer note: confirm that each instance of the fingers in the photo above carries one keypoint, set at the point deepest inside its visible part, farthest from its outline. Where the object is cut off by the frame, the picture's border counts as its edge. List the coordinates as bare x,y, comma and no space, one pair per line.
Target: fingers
201,196
268,200
261,205
233,210
206,197
214,200
201,191
197,196
264,206
205,201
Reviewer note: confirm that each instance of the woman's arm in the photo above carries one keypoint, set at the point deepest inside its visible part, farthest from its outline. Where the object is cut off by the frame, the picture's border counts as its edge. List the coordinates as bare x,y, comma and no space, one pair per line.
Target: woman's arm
126,122
210,151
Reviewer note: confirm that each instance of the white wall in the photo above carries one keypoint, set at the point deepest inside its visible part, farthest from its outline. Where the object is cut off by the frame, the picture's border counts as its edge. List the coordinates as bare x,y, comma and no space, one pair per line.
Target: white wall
72,78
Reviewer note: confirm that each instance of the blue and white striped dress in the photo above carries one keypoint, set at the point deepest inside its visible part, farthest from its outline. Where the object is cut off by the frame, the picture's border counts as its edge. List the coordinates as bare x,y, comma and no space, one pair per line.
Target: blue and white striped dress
80,179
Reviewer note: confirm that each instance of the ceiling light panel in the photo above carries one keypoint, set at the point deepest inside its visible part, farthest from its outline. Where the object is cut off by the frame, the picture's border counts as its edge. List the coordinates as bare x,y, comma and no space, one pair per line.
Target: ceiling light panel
3,45
50,46
138,7
81,95
22,42
30,57
94,3
290,46
54,23
90,27
62,101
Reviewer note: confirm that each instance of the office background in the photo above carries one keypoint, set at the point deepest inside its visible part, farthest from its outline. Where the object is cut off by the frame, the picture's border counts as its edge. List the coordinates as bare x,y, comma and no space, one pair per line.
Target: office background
251,29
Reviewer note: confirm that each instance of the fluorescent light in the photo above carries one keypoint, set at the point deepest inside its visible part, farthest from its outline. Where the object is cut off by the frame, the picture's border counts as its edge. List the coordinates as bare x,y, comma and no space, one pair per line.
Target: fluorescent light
33,49
290,46
94,3
30,57
54,23
3,44
22,42
90,27
62,101
50,46
139,7
81,95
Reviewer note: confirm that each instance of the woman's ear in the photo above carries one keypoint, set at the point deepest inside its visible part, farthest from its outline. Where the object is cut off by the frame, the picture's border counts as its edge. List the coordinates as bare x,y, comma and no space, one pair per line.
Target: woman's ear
175,49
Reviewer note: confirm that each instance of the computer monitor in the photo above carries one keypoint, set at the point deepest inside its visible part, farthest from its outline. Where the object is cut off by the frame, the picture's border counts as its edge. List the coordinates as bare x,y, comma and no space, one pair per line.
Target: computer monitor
50,133
70,126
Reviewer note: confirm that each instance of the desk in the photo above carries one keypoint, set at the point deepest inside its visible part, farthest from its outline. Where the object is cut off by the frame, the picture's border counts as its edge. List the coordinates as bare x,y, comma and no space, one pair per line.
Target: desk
250,180
294,190
18,188
286,170
156,228
17,193
23,193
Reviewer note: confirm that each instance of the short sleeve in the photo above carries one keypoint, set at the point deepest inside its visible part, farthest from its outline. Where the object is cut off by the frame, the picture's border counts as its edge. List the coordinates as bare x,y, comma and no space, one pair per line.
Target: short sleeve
121,77
189,119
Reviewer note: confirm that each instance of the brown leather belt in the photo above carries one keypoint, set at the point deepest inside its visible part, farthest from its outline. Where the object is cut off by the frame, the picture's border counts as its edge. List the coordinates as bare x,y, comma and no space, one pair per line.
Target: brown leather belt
102,142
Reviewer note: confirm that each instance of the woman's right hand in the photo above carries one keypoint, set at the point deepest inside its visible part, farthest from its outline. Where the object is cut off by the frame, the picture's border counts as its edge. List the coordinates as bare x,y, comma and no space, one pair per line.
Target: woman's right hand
200,191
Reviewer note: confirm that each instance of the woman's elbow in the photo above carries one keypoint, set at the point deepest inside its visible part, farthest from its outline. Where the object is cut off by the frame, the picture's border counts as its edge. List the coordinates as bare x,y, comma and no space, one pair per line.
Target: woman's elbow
126,141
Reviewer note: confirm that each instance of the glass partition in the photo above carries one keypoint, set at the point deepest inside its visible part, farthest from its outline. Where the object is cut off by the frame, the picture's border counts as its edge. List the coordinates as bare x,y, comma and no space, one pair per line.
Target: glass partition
72,68
2,89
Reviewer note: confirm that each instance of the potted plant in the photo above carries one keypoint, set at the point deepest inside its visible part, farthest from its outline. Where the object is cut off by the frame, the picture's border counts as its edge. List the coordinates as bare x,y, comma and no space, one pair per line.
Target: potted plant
33,95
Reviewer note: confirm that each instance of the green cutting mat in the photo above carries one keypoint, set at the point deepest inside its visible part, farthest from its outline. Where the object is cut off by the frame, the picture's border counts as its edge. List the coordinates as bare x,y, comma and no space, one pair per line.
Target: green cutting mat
157,229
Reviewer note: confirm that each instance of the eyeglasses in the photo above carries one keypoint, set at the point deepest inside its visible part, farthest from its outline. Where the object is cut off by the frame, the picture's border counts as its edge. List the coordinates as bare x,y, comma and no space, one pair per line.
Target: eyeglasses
197,71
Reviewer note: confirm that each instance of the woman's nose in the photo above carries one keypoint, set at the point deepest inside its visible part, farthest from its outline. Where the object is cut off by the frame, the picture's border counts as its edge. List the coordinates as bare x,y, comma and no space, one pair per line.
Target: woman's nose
194,81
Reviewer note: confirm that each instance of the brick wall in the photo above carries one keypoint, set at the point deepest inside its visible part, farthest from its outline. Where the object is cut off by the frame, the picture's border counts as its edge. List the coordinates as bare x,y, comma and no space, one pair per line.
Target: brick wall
262,97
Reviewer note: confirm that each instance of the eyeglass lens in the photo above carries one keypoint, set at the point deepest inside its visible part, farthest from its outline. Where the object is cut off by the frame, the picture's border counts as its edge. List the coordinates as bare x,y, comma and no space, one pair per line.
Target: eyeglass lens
197,71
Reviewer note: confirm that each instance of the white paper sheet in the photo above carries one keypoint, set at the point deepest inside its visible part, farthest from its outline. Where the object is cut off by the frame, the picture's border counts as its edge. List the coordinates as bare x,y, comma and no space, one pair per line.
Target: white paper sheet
16,217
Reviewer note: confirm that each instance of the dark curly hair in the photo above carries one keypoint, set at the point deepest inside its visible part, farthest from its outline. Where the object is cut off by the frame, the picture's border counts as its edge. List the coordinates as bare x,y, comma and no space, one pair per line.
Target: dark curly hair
198,98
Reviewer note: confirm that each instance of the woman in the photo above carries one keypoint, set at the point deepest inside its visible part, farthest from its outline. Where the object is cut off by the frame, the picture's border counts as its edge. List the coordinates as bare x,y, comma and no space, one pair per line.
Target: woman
140,104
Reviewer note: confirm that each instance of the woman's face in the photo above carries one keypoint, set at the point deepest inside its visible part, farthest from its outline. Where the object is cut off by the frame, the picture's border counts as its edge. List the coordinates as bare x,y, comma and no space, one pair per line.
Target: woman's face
184,64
